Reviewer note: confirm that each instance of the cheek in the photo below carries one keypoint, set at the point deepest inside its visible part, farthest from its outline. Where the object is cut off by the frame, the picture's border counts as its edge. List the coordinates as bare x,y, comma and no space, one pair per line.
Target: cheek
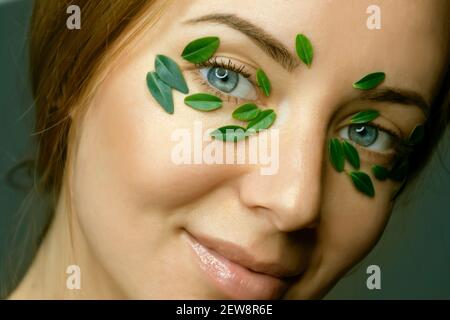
352,222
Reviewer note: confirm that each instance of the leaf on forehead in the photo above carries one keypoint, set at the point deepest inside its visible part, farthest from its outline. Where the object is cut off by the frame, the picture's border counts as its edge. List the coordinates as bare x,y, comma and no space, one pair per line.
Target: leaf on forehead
370,81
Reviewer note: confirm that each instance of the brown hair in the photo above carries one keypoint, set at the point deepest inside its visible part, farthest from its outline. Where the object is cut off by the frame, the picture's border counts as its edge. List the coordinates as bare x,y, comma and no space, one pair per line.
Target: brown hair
62,63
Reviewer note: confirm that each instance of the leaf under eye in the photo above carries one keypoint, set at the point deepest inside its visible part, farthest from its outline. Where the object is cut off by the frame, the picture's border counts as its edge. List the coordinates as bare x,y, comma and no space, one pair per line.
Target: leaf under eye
336,154
229,133
246,112
160,91
351,154
263,121
169,72
380,172
304,49
417,135
263,81
370,81
200,50
203,102
365,116
362,182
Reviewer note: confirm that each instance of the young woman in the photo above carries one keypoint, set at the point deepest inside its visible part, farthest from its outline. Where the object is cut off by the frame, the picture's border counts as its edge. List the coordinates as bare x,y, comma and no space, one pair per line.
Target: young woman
140,226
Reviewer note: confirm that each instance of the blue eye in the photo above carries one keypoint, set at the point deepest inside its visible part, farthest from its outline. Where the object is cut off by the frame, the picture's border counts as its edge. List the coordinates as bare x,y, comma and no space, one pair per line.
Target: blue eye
368,136
223,79
363,135
229,82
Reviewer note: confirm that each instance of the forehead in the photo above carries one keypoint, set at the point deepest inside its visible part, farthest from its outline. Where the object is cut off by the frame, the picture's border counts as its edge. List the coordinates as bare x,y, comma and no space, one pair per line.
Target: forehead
411,46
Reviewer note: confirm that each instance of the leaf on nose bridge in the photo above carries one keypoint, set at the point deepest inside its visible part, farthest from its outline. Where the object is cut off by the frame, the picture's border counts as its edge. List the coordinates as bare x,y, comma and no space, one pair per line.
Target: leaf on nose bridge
304,49
263,82
336,154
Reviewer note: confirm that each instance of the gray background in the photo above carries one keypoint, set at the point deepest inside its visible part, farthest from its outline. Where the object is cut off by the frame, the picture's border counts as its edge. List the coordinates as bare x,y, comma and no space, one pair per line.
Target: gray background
413,253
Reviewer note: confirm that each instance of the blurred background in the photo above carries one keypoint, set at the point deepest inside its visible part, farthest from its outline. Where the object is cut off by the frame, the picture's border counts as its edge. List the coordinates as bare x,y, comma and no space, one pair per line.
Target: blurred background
413,253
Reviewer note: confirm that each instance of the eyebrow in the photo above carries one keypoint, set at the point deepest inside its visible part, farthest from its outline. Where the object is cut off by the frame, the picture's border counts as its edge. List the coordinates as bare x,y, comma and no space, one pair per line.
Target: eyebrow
271,46
396,95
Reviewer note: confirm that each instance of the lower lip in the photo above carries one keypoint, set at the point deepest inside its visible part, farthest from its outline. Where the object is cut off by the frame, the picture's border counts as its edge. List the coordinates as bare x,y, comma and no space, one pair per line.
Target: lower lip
234,280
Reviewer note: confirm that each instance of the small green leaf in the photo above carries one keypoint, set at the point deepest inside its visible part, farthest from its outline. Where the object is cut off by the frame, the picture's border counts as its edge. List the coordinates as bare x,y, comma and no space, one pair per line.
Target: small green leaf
229,133
304,49
263,121
380,172
336,154
399,170
200,50
417,135
203,102
263,81
246,112
369,81
351,154
160,91
364,116
362,182
169,72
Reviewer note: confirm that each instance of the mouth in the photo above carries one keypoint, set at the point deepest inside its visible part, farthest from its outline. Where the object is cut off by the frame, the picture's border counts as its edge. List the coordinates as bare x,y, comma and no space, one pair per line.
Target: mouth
235,273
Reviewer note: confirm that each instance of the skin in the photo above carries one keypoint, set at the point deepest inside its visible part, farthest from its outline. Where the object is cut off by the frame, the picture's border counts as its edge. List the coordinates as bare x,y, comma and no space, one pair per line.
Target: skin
126,205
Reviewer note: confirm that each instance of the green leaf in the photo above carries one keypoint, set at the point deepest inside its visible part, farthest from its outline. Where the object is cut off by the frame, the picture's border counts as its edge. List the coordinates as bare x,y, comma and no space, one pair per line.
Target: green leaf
160,91
246,112
263,81
304,49
351,154
203,102
336,154
169,72
417,135
399,170
380,172
229,133
370,81
365,116
263,121
200,50
362,182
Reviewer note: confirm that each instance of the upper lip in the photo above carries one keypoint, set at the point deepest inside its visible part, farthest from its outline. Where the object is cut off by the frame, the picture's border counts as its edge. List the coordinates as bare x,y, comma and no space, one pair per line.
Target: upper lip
243,257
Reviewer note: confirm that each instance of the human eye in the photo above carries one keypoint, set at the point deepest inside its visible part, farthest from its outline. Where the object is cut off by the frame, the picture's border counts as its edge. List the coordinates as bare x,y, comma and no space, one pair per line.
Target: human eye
227,79
370,137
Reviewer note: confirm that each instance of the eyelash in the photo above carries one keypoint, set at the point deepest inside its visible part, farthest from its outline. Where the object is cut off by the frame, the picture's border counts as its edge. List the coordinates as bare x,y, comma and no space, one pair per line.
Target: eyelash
228,64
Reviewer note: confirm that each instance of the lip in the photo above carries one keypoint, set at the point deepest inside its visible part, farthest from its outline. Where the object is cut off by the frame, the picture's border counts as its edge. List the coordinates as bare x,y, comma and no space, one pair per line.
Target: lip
233,270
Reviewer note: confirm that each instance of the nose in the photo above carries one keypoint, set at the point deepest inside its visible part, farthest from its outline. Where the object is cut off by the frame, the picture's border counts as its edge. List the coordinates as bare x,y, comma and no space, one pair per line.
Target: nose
290,198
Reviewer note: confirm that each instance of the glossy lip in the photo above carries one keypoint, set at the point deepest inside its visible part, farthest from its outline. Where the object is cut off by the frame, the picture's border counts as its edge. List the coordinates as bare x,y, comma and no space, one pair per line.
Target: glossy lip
235,272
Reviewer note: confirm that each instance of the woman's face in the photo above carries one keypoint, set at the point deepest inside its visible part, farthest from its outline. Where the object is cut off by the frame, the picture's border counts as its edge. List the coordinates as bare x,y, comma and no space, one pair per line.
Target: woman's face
160,229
